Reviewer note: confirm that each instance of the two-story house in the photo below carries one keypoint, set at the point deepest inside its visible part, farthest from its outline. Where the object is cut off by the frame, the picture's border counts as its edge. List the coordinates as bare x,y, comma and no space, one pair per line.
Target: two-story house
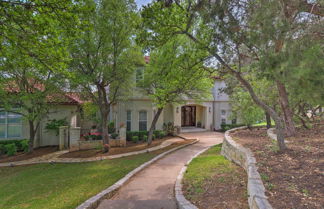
138,111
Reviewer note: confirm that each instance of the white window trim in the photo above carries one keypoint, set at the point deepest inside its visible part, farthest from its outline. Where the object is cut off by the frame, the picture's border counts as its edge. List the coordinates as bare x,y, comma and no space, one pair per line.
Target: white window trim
139,119
130,120
7,125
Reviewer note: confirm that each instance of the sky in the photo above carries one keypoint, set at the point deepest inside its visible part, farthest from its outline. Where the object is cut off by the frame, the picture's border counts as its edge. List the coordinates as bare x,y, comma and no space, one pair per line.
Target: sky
140,3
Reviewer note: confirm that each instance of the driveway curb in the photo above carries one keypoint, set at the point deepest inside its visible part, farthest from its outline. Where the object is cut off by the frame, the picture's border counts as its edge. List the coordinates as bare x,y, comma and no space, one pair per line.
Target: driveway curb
94,201
182,202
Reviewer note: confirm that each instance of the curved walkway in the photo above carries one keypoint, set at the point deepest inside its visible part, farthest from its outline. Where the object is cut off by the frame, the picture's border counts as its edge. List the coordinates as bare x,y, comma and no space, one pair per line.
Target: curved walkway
55,156
153,188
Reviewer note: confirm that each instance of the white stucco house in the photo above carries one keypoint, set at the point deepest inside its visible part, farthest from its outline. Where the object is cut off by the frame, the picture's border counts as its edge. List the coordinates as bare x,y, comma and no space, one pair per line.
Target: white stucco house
138,111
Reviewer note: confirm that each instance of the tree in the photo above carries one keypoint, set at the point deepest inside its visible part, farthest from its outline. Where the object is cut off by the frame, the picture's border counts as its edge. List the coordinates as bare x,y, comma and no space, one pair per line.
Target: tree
33,40
222,29
175,72
104,56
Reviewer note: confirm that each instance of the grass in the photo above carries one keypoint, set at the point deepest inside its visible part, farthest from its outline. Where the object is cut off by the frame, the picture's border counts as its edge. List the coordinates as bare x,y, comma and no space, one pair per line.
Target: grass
203,168
62,185
264,123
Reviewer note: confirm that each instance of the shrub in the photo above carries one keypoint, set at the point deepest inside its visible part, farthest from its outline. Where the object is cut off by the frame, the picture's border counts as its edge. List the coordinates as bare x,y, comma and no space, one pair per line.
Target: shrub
111,127
17,142
2,149
11,149
153,136
158,134
114,136
130,134
93,137
145,138
135,139
55,125
141,134
24,145
168,128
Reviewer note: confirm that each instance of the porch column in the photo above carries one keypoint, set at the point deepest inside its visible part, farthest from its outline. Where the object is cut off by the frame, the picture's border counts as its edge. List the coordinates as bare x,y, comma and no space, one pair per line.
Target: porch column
177,115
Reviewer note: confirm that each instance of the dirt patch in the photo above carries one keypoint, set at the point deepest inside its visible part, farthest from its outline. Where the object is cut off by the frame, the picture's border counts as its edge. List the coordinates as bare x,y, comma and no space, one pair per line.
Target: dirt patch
295,178
212,181
130,147
25,156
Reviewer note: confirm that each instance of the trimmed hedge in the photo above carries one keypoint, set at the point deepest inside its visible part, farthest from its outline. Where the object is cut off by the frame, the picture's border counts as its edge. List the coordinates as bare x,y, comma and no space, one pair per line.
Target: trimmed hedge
11,149
156,134
135,139
20,143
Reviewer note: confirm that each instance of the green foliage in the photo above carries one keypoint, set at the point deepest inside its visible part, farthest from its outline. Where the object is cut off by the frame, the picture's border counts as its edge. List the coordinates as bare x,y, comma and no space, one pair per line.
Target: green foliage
135,139
93,137
55,124
24,144
17,142
2,149
11,149
90,111
145,138
168,128
159,134
111,127
114,136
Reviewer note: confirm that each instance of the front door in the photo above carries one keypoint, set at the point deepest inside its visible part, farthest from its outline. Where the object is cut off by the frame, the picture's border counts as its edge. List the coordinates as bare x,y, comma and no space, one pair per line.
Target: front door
188,116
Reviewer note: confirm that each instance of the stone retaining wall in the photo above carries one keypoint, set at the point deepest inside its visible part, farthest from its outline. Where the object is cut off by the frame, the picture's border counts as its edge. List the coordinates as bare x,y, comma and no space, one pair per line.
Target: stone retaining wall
244,157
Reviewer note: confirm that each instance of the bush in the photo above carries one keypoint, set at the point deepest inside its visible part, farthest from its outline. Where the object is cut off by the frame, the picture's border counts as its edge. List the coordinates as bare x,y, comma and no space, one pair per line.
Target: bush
135,139
93,137
158,134
2,149
130,134
11,149
17,142
141,134
153,136
114,136
145,138
55,125
111,127
168,128
24,145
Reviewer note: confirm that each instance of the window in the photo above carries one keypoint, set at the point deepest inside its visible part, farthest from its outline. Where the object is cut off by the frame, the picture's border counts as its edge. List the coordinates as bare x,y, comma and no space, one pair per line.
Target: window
223,121
139,75
128,120
142,121
234,121
10,125
223,112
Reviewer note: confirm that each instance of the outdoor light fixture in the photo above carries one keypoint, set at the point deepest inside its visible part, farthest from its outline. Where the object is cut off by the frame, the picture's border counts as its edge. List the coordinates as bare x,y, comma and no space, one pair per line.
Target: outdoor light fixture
209,109
177,110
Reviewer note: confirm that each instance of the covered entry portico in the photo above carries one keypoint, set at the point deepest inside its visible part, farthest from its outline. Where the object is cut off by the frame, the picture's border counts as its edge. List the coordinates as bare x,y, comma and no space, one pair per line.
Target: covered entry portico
193,117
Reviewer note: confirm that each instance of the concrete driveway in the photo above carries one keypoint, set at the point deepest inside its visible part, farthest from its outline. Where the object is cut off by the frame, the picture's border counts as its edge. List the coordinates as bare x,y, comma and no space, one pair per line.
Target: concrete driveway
153,187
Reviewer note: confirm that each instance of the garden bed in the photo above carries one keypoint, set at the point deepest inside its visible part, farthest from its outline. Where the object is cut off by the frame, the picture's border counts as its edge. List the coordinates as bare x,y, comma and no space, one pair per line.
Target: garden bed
293,179
130,147
25,156
212,181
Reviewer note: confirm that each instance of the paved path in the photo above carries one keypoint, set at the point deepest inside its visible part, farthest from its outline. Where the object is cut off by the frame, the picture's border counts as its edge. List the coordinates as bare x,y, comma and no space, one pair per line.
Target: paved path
153,187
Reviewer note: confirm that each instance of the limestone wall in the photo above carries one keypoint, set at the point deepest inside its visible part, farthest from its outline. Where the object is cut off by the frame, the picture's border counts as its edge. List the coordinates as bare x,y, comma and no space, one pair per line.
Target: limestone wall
244,157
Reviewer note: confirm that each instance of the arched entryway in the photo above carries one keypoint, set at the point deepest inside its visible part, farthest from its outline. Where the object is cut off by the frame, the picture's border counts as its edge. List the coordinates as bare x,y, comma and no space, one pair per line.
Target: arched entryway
188,115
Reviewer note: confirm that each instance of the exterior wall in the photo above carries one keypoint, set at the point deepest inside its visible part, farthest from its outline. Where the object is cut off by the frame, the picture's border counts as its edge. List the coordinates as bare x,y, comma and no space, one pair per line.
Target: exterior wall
135,106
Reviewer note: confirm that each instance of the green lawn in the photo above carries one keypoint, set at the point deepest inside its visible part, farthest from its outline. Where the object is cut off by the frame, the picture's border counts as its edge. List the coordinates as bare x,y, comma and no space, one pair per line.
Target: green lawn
62,185
211,173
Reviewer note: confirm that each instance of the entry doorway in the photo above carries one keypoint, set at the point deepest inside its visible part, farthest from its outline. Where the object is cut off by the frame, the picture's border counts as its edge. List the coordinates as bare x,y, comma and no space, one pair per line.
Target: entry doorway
188,116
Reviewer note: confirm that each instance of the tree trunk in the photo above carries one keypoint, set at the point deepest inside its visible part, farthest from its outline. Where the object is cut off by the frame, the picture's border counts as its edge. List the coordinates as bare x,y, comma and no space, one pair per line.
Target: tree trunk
287,113
152,128
104,128
268,119
32,134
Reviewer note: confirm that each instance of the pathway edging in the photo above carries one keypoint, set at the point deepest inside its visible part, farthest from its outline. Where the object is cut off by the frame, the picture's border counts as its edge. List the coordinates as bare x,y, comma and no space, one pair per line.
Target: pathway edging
94,201
182,202
245,158
56,159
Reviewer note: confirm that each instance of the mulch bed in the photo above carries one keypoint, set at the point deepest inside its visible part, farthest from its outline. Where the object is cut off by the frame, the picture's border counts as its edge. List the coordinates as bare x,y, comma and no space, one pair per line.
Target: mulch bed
294,178
130,147
25,156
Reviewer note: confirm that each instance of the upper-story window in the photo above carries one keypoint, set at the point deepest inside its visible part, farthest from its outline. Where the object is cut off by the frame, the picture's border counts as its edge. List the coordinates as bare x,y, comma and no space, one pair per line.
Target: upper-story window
142,122
139,74
10,125
129,120
223,112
